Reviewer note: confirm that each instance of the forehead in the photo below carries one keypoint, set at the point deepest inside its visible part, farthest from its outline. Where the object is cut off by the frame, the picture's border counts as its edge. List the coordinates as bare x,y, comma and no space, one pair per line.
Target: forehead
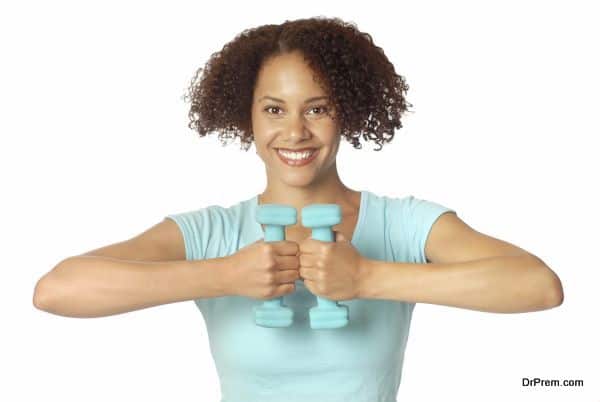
287,75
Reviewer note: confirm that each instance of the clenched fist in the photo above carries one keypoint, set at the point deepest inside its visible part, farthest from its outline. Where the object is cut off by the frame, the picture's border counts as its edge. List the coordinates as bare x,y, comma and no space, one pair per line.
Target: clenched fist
263,270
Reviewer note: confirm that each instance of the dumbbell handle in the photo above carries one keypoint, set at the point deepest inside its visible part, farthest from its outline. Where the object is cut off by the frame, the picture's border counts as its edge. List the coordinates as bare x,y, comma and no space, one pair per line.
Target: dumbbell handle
274,233
324,233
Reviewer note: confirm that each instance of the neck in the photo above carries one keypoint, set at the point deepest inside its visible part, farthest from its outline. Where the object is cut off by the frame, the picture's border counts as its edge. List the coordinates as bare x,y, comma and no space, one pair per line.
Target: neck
328,190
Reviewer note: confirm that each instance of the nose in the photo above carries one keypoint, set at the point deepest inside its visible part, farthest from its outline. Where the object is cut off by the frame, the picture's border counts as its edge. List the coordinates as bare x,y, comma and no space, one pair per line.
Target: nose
297,130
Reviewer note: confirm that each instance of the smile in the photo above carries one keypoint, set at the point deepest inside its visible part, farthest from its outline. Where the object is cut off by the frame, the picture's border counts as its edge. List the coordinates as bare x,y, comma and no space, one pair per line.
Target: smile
297,158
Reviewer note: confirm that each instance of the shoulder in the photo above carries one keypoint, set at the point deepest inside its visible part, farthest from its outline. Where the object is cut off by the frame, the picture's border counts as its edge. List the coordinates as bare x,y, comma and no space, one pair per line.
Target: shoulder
453,240
415,213
209,229
410,220
211,213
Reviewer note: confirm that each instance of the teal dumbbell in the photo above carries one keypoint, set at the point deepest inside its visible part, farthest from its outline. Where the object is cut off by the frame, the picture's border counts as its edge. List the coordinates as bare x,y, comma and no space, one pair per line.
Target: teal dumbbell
273,313
321,217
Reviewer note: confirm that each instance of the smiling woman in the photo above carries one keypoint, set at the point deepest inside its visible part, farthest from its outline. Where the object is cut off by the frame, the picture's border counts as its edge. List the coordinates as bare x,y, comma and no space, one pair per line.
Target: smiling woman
294,90
303,134
352,74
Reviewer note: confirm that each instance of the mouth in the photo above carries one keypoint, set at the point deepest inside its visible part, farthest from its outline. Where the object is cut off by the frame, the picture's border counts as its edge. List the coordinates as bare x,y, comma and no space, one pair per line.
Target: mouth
299,158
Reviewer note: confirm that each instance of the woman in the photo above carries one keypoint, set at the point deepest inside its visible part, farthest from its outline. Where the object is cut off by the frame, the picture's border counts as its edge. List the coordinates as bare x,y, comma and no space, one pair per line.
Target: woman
295,90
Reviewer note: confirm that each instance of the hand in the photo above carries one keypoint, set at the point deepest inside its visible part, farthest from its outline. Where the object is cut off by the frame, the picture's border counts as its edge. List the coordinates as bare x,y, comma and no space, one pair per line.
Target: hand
333,270
263,270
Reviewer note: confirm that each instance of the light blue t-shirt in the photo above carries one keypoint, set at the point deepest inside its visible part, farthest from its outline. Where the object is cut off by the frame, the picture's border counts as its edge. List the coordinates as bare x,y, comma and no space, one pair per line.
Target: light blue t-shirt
361,362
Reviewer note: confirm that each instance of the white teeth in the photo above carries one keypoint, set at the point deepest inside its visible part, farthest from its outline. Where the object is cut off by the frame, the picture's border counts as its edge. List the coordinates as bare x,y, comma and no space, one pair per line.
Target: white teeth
296,155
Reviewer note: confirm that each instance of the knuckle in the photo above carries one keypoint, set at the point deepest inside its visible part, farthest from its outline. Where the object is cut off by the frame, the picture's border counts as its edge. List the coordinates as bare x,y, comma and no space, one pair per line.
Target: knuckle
267,294
272,278
267,249
268,278
271,263
325,248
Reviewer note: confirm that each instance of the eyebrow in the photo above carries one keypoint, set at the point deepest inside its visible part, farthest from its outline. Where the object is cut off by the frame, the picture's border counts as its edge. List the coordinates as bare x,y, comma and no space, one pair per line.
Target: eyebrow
282,101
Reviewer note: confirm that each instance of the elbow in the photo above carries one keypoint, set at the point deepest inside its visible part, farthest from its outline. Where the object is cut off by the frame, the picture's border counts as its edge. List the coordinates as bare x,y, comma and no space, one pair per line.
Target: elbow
549,290
552,290
554,294
46,290
41,294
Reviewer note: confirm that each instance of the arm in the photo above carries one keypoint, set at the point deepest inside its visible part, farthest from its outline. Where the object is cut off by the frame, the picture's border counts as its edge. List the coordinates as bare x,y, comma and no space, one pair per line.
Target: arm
505,284
468,269
95,286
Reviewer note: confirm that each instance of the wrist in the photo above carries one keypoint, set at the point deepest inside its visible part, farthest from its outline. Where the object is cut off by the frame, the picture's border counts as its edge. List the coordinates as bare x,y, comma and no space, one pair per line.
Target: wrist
365,274
224,277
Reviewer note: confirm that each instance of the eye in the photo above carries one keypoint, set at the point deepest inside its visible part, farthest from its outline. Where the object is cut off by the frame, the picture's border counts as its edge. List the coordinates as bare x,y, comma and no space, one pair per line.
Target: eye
271,107
323,108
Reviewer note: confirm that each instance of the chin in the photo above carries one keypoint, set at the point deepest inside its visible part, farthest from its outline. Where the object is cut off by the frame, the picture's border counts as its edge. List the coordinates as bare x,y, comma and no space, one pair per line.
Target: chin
297,180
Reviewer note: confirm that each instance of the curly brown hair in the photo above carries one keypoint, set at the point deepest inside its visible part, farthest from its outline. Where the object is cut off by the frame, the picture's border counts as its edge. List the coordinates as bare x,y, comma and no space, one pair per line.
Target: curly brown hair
361,82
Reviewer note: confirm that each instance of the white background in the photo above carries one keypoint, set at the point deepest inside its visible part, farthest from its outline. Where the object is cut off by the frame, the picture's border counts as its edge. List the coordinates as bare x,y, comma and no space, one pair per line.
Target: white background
95,149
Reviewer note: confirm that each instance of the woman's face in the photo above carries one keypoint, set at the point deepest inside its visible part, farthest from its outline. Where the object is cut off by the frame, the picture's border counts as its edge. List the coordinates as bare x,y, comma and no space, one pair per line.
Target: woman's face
284,116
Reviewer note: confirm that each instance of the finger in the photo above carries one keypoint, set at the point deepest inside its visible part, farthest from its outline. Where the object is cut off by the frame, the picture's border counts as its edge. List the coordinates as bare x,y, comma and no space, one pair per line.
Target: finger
285,247
311,286
309,274
287,276
310,246
306,260
287,262
284,289
339,236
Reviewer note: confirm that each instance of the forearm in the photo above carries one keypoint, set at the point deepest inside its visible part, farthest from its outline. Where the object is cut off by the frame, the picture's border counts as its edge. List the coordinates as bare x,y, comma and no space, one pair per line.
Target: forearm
94,286
498,284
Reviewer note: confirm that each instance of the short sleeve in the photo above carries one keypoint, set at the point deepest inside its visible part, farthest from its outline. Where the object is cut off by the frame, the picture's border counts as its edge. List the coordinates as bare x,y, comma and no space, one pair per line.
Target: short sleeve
207,232
419,217
195,231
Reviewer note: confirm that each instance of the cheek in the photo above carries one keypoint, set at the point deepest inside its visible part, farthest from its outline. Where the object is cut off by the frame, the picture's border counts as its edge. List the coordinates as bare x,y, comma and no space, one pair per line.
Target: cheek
264,135
261,143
